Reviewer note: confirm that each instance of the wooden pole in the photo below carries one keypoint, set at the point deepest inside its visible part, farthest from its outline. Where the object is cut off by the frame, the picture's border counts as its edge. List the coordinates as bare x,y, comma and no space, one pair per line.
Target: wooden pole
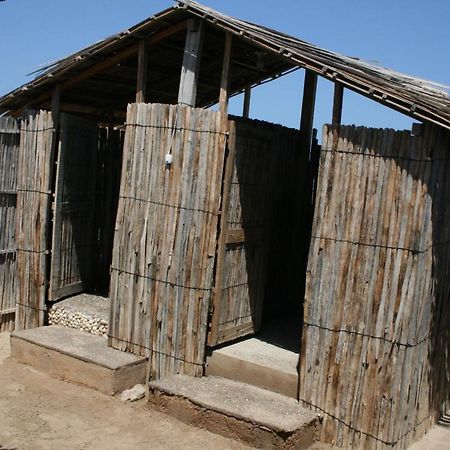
309,100
337,103
191,63
141,83
247,98
55,102
55,105
225,80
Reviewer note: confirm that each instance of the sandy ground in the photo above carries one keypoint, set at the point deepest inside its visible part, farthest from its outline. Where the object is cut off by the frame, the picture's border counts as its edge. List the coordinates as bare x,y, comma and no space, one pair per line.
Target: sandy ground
39,412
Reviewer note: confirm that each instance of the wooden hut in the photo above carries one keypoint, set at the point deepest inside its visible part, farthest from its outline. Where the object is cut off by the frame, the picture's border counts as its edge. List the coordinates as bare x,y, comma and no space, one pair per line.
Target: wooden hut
201,227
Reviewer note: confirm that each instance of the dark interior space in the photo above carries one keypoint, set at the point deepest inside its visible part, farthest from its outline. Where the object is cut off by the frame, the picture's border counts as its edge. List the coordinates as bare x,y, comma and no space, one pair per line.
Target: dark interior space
107,187
290,234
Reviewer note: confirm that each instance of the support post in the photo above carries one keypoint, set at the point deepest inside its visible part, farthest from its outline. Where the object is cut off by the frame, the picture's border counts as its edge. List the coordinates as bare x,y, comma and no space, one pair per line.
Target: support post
337,103
247,98
55,102
191,63
309,100
141,83
225,80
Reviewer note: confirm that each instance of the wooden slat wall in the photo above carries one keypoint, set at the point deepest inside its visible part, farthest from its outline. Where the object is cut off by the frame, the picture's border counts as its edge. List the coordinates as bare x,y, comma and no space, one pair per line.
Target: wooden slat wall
165,239
9,153
33,202
266,170
377,286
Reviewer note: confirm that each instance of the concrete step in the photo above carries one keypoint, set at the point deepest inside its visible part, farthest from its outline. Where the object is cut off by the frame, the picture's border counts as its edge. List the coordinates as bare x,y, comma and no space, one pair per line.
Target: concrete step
259,363
255,416
78,357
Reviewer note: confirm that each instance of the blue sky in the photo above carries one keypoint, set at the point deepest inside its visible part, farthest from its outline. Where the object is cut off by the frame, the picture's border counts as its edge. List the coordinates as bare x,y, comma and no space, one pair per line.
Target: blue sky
410,36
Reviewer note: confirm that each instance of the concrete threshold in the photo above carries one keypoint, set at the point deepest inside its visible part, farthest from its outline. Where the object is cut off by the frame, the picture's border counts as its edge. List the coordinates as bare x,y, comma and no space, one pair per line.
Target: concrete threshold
78,357
259,363
258,417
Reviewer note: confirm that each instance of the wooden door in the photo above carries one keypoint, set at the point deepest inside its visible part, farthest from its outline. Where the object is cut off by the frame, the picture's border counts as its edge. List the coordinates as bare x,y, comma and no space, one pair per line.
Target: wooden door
9,155
243,243
73,237
34,182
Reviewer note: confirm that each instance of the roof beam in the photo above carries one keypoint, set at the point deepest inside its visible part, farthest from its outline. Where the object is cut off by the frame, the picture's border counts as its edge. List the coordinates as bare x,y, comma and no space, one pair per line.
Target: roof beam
113,60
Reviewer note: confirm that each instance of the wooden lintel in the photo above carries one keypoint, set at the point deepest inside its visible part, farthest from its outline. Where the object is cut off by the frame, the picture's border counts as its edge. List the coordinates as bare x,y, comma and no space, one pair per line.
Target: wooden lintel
225,80
309,100
187,92
141,83
246,106
111,61
337,103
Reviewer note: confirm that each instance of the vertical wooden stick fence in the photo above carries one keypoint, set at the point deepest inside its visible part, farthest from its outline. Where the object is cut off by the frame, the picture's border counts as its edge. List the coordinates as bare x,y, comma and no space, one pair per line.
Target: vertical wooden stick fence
165,239
375,350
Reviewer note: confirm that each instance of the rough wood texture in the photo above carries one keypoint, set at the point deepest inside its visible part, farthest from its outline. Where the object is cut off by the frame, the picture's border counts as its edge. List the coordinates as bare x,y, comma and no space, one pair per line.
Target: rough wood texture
191,63
375,343
9,155
73,226
33,201
165,239
264,167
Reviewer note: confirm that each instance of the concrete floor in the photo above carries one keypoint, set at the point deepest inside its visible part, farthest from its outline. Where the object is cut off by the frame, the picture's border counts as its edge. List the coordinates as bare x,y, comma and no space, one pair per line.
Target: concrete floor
437,439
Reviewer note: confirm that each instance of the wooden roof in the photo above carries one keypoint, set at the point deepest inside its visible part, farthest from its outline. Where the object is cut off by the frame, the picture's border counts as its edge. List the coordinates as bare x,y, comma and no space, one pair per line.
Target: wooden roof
101,79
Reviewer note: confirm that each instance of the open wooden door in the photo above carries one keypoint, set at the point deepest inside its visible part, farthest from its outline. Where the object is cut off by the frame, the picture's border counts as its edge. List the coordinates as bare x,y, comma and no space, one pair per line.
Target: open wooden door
244,233
73,226
9,156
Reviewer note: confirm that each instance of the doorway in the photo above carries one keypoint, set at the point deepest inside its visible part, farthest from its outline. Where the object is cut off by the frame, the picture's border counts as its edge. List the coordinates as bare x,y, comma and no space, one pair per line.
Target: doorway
268,194
86,195
261,263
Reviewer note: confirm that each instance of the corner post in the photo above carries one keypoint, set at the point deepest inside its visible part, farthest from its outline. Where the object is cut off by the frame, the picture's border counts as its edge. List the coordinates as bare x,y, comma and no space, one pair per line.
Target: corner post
191,63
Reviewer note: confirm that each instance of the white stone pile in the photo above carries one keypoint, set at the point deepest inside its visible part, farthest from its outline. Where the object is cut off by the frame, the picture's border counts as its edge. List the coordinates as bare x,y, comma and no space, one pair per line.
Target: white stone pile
92,323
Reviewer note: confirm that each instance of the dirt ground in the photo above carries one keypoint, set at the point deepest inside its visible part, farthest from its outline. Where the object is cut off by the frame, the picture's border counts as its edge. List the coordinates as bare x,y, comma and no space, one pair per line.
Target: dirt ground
39,412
